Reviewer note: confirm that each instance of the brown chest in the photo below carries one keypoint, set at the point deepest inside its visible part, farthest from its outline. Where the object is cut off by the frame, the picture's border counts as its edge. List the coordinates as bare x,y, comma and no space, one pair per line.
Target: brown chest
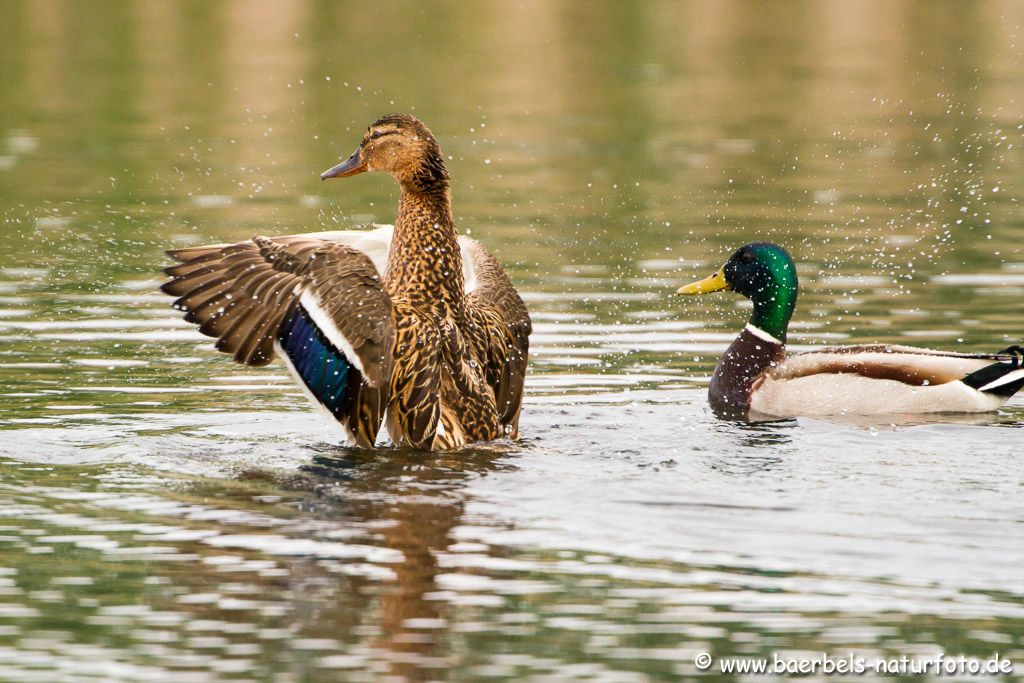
739,370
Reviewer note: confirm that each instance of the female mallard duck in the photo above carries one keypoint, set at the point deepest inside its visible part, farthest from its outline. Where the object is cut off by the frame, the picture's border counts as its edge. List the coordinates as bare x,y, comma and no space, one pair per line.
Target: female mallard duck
754,375
414,325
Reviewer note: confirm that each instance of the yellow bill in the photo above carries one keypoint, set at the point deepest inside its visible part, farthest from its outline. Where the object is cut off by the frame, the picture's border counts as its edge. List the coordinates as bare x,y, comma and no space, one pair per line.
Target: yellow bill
714,283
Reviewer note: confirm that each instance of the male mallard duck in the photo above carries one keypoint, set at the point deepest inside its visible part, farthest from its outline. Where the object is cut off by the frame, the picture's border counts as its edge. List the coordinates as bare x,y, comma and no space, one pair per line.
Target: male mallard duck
416,322
754,375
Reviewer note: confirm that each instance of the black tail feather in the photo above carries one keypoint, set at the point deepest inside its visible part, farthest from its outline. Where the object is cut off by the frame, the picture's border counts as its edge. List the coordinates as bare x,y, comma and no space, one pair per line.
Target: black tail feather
992,373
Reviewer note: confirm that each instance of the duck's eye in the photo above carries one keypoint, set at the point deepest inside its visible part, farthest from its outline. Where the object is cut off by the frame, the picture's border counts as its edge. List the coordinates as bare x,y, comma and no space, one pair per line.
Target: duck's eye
376,134
746,257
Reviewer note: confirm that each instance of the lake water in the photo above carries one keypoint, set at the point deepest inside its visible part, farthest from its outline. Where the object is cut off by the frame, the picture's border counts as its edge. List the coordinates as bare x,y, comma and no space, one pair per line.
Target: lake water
168,515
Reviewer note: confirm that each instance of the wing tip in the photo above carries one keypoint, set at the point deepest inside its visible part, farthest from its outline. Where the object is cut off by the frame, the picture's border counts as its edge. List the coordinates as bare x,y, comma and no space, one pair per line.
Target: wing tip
172,287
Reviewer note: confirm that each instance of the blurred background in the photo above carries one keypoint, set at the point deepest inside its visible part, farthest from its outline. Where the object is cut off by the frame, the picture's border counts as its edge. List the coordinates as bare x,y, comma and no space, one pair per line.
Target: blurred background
601,132
165,510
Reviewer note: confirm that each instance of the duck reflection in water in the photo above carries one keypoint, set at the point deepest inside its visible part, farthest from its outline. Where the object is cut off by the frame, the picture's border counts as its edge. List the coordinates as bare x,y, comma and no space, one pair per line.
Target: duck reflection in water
409,502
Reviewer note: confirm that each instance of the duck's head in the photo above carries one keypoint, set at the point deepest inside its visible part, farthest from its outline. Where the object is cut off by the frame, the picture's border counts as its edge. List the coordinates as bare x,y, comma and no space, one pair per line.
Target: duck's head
400,145
764,273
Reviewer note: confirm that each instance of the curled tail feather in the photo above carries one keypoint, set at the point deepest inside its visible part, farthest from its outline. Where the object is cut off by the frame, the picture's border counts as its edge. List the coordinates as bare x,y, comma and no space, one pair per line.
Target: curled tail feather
1003,378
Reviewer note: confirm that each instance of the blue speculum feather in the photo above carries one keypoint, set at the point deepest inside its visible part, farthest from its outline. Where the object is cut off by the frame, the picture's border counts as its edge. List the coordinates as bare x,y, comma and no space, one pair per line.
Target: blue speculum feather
322,367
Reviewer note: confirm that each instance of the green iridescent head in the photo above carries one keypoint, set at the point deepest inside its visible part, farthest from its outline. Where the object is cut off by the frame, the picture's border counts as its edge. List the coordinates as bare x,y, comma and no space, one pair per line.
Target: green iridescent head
764,273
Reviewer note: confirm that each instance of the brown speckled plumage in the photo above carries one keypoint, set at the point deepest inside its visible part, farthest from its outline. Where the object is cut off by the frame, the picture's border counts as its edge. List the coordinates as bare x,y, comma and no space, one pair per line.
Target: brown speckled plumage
447,367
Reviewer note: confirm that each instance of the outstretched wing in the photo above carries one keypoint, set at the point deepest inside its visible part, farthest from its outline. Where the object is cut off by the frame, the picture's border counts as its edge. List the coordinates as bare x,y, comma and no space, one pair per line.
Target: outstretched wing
499,329
318,304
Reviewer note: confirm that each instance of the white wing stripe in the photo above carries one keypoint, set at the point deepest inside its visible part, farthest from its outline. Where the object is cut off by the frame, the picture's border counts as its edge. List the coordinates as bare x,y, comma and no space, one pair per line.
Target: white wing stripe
466,245
311,303
331,419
